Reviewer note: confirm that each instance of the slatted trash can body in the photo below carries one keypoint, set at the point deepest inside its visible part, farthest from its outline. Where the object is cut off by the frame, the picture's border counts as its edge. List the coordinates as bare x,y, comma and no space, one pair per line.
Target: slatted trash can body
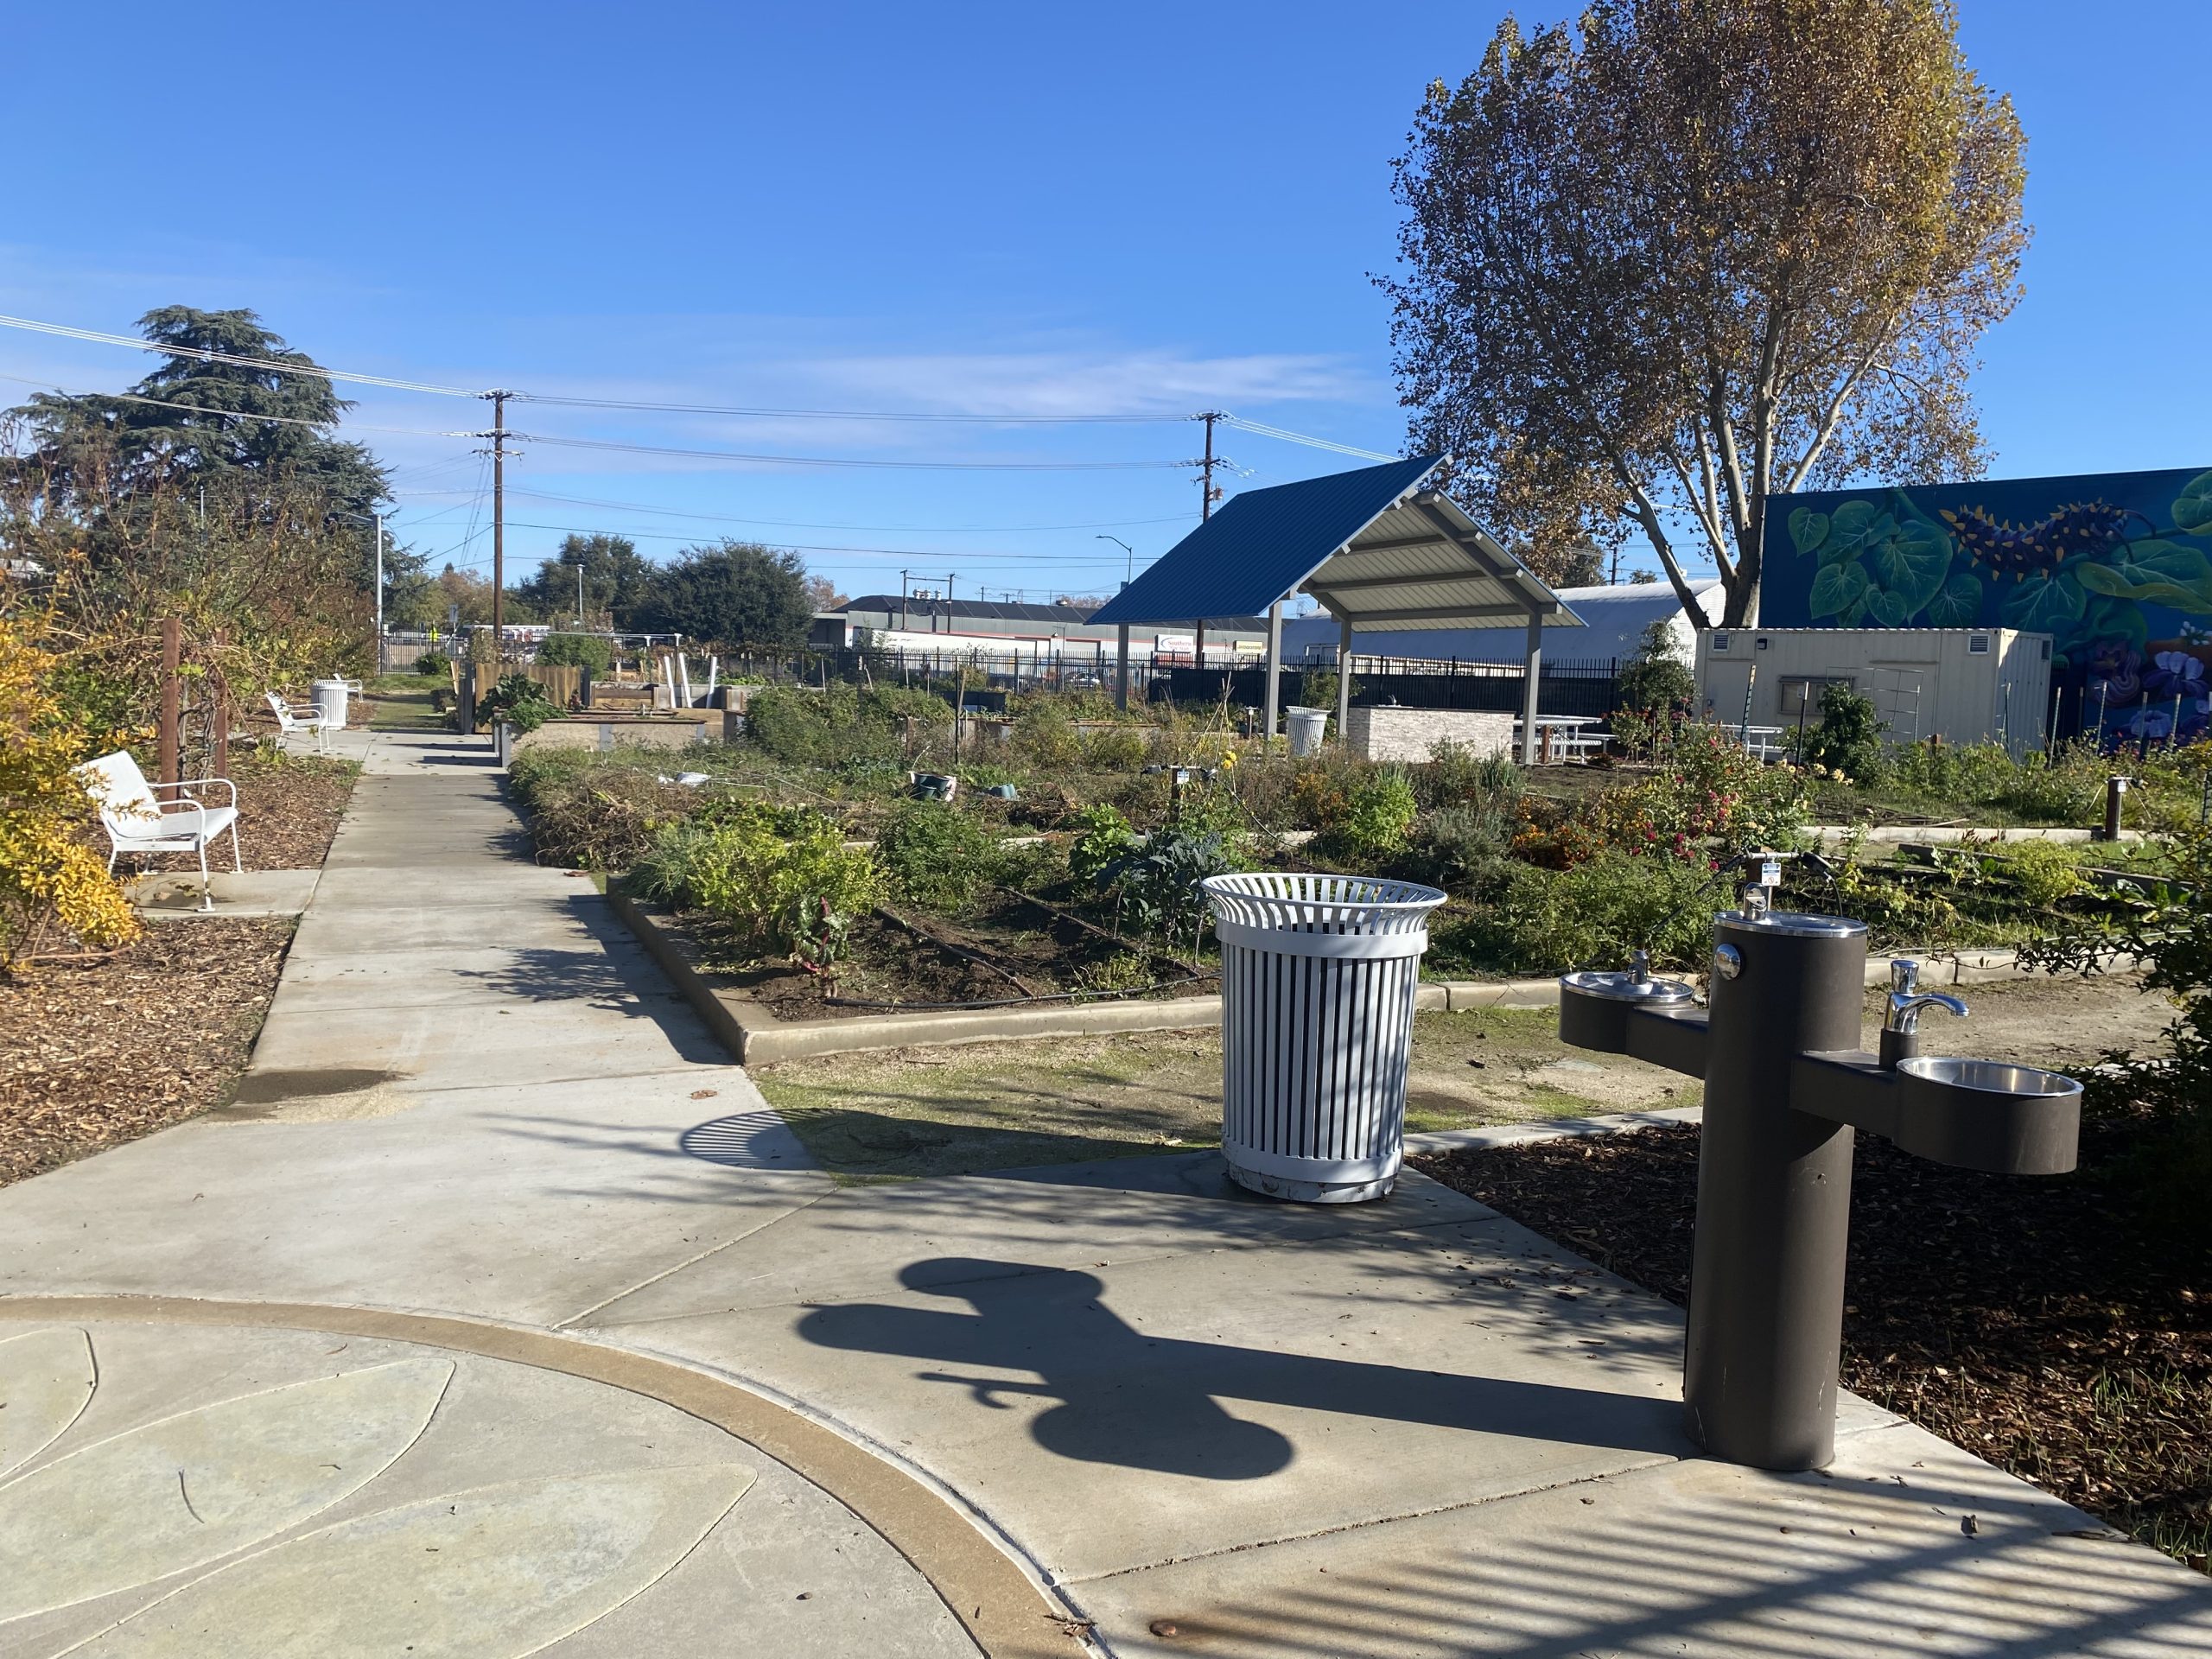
1317,974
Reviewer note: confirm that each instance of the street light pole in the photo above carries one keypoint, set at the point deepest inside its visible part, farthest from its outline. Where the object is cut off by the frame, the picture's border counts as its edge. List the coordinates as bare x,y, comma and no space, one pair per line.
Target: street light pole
1129,565
379,518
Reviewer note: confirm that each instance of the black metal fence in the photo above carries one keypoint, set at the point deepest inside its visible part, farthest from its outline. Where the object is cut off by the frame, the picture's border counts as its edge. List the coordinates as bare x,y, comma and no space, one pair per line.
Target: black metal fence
1591,688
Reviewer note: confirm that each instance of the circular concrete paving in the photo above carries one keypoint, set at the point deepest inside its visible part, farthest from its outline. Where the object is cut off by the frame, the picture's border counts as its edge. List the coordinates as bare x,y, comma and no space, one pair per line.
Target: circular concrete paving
182,1478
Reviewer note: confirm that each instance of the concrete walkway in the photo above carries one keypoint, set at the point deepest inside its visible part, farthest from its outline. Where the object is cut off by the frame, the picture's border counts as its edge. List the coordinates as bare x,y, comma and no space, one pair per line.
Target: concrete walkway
492,1259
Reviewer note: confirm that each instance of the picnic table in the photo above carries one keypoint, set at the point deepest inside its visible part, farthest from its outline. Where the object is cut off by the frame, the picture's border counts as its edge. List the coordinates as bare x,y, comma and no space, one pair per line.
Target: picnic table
1563,737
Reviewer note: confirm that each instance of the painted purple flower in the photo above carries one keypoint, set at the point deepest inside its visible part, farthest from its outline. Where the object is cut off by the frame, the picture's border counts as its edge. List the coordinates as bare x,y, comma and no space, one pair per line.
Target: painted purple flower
2174,673
2152,721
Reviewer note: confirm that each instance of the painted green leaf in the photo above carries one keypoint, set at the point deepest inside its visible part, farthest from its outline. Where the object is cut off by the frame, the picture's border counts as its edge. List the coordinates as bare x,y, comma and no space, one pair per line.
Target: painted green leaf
1837,588
2045,605
2193,506
1890,610
1808,530
1957,604
1909,564
2113,619
2154,573
1855,616
1856,525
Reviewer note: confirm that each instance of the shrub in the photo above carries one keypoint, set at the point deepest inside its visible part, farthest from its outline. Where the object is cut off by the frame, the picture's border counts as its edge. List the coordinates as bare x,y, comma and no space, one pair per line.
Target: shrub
585,650
1710,790
1461,845
434,665
1535,921
49,874
2044,872
1114,748
1378,816
1158,888
1658,679
1456,773
1046,737
937,855
1103,837
2064,791
785,881
519,700
1848,739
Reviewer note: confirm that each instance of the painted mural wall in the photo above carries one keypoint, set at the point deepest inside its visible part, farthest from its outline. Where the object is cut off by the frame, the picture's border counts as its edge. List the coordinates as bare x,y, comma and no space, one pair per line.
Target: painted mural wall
2115,567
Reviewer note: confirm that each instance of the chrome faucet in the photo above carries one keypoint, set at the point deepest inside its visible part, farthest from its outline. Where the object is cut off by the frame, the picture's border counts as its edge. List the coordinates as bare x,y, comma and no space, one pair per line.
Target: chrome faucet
1906,1001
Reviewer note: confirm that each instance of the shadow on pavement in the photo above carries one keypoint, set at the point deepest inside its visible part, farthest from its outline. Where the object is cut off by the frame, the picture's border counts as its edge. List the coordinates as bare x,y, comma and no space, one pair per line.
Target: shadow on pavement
1153,1402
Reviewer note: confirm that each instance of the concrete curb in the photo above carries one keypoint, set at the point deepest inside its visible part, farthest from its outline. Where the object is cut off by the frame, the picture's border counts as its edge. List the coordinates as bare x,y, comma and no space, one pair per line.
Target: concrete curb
1555,1128
1889,835
755,1037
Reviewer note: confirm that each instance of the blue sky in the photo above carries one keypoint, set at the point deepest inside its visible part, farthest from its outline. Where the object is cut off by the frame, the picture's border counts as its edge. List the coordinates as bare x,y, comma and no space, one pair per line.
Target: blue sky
992,210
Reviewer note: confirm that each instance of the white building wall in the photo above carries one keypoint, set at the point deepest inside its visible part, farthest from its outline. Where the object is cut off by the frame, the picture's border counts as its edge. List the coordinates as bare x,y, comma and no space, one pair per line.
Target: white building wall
1964,685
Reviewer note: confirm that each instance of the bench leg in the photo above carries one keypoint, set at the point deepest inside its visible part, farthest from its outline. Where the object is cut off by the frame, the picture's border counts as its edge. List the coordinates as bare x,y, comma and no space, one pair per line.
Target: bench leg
207,887
238,862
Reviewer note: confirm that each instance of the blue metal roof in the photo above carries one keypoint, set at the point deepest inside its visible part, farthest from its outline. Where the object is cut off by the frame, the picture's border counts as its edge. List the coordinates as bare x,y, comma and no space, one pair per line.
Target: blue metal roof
1262,544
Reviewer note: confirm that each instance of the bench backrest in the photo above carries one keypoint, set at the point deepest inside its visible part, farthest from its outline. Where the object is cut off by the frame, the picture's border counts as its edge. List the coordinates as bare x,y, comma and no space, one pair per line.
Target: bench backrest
282,710
126,800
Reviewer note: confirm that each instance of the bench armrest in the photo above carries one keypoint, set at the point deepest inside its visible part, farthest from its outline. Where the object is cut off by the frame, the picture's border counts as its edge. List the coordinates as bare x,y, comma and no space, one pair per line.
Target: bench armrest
182,784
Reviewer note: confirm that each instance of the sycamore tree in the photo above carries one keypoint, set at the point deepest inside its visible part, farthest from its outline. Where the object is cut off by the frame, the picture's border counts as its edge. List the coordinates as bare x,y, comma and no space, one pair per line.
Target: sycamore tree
1683,254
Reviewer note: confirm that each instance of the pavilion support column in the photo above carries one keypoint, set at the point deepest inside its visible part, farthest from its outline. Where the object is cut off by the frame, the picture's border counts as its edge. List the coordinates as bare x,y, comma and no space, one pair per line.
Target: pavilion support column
1121,668
1534,662
1275,666
1343,678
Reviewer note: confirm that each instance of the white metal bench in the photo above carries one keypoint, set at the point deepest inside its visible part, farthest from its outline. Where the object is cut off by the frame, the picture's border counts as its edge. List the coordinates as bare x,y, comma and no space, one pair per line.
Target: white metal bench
288,722
137,821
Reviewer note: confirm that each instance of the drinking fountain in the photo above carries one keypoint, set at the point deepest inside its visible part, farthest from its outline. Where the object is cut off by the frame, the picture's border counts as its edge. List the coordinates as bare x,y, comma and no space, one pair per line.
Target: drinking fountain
1786,1087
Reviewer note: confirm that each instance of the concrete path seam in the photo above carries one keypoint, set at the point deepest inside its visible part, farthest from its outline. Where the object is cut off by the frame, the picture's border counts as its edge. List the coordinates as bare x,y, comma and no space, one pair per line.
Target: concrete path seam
754,1232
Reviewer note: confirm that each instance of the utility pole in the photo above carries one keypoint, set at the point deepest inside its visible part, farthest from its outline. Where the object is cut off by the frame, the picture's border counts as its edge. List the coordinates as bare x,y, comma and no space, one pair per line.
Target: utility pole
1207,467
580,596
498,437
379,518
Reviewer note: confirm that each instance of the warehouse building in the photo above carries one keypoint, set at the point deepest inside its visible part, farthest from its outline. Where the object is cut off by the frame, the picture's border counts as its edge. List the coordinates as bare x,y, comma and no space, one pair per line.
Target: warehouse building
1007,633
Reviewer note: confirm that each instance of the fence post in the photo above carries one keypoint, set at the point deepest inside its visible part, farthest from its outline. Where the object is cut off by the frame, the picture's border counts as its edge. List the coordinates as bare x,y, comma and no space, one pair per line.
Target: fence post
218,733
172,651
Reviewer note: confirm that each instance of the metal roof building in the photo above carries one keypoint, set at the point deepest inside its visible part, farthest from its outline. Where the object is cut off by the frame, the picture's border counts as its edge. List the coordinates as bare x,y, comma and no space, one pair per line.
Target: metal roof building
1375,546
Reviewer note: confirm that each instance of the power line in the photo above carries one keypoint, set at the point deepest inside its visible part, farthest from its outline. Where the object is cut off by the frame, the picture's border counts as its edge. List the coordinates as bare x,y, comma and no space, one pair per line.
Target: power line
802,524
228,413
827,461
270,365
1287,436
846,414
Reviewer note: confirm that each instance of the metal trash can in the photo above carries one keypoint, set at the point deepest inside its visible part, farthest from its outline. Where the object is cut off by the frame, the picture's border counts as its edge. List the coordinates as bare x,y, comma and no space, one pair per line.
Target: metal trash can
1317,1020
330,702
1307,726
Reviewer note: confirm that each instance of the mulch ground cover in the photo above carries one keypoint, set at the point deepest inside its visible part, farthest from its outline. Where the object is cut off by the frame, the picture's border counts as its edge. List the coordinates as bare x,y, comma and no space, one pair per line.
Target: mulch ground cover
2038,1324
289,810
103,1050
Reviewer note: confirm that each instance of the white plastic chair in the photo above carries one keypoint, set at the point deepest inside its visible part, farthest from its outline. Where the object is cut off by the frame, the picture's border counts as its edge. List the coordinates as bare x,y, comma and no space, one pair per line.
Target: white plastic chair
138,822
288,722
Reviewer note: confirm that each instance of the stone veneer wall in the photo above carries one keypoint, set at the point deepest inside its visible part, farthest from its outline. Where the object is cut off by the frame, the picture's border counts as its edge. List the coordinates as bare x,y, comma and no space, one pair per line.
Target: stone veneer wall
1413,734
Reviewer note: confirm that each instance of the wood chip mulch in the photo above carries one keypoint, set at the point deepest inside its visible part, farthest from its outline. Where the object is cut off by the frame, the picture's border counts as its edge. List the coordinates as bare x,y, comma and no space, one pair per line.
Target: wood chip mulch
288,811
96,1053
2034,1322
